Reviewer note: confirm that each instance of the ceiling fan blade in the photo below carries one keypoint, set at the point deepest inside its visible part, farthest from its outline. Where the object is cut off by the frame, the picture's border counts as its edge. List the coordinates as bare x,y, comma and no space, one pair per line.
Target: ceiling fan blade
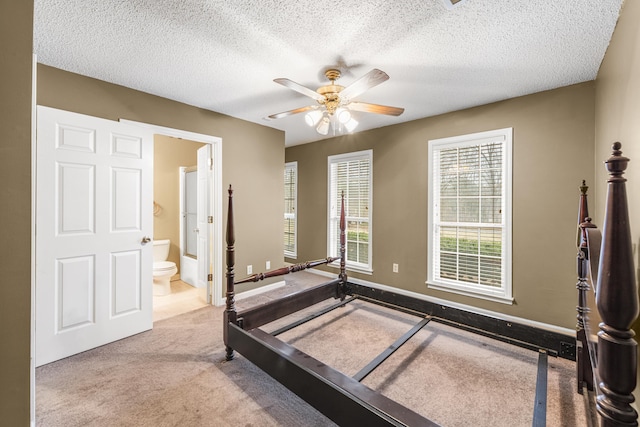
290,112
300,89
375,108
369,80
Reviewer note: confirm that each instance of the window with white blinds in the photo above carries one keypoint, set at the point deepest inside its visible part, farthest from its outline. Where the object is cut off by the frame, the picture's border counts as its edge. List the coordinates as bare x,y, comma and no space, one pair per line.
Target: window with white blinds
351,174
290,208
469,218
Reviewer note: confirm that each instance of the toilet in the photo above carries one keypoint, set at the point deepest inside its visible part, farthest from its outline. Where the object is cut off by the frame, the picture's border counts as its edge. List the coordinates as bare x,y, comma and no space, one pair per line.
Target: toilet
162,269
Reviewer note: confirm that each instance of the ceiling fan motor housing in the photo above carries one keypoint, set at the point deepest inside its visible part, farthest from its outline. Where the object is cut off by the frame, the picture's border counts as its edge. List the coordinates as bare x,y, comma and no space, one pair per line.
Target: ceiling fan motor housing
331,92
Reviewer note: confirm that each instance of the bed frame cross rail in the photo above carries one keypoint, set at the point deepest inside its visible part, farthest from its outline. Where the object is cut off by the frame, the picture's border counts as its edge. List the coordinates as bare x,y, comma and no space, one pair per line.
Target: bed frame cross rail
540,405
311,317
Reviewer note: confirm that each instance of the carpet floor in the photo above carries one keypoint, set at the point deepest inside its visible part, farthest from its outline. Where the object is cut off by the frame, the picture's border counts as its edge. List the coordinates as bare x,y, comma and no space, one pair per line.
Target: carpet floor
176,374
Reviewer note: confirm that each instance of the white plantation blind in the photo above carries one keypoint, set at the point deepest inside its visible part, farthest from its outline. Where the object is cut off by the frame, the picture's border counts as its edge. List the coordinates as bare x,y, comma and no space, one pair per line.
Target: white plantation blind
470,214
351,174
290,208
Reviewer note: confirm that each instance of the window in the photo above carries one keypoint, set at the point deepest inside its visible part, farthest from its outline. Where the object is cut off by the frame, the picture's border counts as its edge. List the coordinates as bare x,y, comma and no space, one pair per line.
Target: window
351,173
469,223
290,207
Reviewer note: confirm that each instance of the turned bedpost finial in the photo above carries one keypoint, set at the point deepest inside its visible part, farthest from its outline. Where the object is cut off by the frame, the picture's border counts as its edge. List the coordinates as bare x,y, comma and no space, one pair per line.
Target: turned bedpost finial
583,212
617,302
617,163
230,314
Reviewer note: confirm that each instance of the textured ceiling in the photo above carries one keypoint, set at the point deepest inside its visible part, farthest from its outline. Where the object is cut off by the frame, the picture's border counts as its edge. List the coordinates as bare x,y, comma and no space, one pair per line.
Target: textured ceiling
223,55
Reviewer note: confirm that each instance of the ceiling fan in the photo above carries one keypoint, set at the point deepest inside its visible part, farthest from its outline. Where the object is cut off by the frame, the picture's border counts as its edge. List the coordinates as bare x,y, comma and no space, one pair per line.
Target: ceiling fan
335,102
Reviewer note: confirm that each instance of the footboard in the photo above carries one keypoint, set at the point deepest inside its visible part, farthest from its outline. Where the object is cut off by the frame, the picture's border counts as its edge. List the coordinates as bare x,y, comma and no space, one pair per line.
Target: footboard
261,315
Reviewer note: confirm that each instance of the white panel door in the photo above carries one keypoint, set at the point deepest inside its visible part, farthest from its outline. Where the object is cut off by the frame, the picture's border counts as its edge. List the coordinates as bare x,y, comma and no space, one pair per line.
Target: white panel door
205,228
94,214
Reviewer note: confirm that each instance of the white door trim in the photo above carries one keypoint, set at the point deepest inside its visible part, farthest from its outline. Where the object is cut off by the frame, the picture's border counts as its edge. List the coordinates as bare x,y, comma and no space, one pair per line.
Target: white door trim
34,171
216,148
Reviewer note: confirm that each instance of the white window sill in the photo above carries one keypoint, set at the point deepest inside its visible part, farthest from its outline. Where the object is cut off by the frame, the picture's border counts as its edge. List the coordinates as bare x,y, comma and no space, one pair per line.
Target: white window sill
471,292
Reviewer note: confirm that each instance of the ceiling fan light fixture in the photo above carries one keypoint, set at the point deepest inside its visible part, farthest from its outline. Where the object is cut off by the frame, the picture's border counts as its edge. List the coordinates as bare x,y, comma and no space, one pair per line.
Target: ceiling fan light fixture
323,126
335,103
313,117
343,114
351,124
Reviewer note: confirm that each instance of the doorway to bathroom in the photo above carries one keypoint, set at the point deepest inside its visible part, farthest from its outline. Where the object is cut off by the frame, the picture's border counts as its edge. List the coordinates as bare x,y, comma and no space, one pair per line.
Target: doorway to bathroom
183,175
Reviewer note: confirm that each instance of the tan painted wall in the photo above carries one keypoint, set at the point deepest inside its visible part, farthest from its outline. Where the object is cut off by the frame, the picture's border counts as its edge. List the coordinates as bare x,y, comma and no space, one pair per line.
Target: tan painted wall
553,151
16,41
618,119
252,155
169,154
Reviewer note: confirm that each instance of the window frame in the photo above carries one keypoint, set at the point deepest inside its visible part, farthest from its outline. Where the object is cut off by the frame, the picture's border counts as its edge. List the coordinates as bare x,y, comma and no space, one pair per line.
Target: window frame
503,294
294,167
333,217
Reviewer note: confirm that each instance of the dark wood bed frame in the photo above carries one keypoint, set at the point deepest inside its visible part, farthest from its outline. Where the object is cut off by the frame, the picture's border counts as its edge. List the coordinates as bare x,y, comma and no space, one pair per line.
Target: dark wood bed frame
606,369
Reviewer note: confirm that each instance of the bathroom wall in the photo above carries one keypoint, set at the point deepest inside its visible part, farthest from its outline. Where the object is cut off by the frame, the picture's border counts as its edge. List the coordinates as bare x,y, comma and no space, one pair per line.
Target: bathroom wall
169,154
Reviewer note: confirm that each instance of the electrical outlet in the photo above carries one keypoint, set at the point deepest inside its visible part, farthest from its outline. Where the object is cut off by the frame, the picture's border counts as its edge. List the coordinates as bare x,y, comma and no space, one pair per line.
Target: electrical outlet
267,265
249,269
395,267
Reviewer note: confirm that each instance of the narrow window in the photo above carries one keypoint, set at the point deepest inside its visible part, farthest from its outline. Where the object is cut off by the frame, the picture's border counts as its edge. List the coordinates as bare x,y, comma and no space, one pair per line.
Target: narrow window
351,174
290,208
469,218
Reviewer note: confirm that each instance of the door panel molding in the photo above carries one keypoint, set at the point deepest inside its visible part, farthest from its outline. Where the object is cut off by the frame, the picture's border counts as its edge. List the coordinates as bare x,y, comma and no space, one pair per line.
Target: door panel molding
93,278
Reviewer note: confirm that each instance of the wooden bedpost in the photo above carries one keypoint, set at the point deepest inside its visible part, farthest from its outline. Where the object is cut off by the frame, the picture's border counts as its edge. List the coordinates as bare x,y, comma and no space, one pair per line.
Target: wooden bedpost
230,314
343,243
617,302
583,363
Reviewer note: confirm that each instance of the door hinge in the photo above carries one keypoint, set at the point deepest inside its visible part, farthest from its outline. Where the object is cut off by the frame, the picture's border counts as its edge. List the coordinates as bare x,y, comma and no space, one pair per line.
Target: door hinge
210,220
210,163
210,277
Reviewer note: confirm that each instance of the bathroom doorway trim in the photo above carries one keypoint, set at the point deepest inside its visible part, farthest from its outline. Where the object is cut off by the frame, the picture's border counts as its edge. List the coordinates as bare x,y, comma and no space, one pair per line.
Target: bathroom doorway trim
214,290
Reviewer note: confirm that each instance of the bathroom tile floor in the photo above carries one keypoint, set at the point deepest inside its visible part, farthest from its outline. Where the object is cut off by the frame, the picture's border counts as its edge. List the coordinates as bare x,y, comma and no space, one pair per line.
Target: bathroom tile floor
182,299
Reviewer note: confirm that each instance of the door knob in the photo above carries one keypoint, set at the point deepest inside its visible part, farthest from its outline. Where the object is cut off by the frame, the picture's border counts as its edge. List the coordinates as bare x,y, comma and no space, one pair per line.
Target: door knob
145,240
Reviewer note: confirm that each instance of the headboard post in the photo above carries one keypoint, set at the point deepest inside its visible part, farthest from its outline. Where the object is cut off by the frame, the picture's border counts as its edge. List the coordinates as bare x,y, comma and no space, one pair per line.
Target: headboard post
583,207
583,363
617,302
343,261
230,313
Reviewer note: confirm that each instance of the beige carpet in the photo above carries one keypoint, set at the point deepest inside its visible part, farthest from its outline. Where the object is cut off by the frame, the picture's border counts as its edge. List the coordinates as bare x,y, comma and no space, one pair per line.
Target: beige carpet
175,375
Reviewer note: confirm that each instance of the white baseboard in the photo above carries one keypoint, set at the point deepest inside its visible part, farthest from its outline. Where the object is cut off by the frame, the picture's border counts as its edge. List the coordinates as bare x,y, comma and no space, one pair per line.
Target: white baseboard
465,307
